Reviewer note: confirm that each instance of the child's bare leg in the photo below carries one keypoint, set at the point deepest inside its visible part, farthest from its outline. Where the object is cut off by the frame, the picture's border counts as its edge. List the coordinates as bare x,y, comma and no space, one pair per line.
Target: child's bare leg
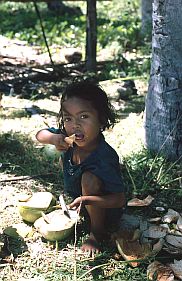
92,186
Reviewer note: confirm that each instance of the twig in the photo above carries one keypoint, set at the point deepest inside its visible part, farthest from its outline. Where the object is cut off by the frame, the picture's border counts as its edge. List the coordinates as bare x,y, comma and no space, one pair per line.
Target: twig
43,31
27,177
75,263
109,263
133,183
5,264
93,268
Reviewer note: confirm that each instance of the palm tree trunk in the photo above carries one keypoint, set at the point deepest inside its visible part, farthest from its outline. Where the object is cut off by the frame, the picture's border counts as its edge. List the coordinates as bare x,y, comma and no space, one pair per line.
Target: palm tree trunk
163,111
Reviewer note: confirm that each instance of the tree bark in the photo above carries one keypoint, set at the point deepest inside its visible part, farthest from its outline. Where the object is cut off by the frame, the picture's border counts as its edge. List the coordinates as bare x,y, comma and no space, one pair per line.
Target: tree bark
91,36
163,111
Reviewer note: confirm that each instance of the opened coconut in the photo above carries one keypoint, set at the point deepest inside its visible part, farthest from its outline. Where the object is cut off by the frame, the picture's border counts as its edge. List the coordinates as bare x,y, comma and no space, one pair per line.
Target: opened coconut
56,226
31,207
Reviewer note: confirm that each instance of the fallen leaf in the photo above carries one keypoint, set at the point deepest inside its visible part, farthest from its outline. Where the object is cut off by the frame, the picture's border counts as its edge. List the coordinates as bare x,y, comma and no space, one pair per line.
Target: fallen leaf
159,272
171,216
179,223
177,268
155,231
156,219
175,241
172,250
140,203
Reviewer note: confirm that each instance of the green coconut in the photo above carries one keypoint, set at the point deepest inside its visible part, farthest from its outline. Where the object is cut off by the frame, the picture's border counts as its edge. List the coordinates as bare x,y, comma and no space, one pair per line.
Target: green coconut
31,207
55,226
51,152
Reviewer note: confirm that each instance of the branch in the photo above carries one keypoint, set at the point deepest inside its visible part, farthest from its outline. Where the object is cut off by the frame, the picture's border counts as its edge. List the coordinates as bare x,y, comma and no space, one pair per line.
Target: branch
27,177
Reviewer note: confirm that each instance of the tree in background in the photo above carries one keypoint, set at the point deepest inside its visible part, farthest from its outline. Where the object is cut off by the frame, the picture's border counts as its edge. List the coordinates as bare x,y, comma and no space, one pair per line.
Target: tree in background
146,9
163,111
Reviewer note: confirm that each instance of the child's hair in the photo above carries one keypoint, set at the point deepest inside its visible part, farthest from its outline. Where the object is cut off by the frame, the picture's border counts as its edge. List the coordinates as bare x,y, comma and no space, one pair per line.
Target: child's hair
92,92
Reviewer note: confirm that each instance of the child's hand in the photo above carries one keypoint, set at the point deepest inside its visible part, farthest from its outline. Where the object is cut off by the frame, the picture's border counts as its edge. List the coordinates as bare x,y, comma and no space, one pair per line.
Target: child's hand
59,142
76,204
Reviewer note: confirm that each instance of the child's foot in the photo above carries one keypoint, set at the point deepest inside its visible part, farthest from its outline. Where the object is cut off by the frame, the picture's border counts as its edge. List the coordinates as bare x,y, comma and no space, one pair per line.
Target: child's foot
91,245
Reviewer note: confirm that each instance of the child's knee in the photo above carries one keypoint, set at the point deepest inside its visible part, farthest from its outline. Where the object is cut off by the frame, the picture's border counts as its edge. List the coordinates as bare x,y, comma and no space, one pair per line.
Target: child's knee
91,184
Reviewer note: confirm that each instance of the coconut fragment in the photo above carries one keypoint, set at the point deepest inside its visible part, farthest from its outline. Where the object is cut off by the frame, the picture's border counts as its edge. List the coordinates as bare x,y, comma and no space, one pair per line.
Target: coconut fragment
70,140
135,202
175,241
171,216
31,209
133,250
155,231
177,268
179,224
58,228
160,271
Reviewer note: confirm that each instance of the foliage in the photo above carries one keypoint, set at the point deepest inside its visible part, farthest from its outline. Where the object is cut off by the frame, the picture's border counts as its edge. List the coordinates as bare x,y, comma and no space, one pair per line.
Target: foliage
118,25
146,173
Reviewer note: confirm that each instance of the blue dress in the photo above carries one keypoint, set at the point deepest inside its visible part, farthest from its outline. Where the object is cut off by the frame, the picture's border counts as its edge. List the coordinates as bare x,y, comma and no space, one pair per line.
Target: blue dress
103,163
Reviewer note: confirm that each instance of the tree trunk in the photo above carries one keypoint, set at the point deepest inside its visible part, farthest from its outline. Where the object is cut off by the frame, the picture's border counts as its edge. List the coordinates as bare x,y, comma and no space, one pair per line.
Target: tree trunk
146,7
91,36
163,111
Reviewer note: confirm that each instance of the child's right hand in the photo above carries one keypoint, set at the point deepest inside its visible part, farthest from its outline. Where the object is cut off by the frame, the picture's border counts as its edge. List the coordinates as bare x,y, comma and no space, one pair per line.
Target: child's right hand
59,141
46,137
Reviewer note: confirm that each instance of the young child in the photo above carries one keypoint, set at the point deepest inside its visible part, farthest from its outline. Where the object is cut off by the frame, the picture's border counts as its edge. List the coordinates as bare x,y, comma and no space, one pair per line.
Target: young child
90,166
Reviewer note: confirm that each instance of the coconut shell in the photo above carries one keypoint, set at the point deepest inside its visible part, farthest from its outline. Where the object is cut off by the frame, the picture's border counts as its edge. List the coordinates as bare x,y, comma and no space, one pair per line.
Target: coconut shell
58,228
70,140
31,209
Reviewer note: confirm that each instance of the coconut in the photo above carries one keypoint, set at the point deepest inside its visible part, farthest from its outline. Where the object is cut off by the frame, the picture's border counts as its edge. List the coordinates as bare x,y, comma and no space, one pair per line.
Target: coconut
70,140
31,208
56,225
51,152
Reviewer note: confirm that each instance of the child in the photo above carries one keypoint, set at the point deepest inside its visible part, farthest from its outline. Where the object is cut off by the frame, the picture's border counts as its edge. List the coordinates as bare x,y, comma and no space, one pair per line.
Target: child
90,166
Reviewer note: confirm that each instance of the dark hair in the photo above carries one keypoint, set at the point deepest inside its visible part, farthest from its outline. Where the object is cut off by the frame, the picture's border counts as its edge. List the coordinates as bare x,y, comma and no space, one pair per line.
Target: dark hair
92,92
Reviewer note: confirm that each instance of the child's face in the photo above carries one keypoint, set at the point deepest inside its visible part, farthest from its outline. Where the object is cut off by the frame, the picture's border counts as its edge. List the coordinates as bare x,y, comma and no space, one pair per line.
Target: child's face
81,119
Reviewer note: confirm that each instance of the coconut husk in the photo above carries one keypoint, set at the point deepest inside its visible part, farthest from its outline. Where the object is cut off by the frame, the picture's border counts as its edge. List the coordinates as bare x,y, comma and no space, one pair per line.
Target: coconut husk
155,232
159,272
133,250
179,224
171,216
177,268
175,241
31,208
135,202
57,226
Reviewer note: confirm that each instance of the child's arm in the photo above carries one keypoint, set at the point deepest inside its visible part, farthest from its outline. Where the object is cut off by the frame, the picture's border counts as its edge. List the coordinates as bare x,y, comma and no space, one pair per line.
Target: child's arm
113,200
46,137
92,194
